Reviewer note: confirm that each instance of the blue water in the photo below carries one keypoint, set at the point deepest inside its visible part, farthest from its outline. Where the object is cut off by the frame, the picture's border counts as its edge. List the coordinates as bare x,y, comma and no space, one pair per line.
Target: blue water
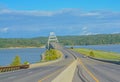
31,55
109,48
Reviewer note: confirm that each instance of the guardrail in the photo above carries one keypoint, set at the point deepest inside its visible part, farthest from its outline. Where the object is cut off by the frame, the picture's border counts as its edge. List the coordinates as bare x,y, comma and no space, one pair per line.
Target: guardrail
108,61
12,68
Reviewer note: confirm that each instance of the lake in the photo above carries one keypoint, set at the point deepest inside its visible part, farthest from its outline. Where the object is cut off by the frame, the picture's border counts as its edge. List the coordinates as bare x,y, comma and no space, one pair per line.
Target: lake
32,55
109,48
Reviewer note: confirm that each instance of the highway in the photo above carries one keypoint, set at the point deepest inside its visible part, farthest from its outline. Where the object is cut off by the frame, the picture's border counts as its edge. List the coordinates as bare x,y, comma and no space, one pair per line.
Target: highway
40,74
88,70
97,71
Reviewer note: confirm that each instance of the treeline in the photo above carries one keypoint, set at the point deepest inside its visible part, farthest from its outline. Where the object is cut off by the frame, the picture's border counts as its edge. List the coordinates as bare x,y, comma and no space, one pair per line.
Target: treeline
65,40
90,39
7,43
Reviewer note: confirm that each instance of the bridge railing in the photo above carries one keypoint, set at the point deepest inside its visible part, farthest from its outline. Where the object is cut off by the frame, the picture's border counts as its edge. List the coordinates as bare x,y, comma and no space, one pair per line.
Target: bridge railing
12,68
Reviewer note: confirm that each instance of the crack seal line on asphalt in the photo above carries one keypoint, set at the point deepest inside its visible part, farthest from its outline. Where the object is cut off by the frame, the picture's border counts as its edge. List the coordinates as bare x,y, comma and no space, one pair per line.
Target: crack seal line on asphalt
90,73
46,77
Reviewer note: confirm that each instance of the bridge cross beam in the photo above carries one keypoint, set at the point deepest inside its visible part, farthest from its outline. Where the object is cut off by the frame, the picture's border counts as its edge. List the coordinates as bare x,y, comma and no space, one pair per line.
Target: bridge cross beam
52,39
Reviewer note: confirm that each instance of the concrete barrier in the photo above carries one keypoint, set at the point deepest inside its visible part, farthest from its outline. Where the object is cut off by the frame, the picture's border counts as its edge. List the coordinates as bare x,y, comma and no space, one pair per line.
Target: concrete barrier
67,74
108,61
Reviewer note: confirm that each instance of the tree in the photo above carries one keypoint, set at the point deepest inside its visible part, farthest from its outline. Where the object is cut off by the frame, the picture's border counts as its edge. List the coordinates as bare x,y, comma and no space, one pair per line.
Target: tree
26,63
16,61
92,54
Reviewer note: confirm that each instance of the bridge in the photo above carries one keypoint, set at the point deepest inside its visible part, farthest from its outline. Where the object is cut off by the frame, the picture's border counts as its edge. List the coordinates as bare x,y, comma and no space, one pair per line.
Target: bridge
52,41
72,67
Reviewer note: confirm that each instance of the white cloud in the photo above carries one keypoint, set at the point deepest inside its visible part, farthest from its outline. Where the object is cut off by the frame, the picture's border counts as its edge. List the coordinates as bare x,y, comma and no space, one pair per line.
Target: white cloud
115,32
89,33
32,12
75,12
90,14
70,11
86,32
4,11
4,30
85,28
40,12
74,21
36,13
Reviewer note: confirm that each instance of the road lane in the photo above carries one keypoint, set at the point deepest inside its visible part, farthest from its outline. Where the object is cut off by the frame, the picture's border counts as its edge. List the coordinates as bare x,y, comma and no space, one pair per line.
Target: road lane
104,72
35,74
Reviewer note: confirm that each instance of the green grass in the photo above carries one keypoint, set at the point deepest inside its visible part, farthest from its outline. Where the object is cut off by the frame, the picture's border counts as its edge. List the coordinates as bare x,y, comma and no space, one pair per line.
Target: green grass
52,54
99,54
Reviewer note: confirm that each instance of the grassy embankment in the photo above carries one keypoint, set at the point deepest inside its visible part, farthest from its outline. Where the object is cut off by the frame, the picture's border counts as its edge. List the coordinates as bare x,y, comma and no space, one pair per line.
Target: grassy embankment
99,54
52,54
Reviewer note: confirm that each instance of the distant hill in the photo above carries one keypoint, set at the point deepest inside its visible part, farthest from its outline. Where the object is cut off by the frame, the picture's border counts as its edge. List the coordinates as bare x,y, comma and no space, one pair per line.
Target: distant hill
90,39
65,40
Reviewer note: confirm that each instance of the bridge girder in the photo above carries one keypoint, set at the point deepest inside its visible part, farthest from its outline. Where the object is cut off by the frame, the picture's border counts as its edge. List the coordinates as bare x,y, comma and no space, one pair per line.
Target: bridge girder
52,40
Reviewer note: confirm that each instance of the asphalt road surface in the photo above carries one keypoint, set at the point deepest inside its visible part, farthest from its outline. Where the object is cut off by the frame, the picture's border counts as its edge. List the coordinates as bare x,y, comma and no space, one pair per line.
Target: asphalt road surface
88,70
95,71
44,73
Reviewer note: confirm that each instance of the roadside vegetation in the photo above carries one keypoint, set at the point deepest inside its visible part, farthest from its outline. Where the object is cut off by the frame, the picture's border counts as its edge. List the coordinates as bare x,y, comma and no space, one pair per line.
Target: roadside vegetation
52,54
17,61
98,54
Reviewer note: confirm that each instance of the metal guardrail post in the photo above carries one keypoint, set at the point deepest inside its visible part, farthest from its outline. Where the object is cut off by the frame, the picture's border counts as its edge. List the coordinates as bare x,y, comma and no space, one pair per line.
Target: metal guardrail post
11,68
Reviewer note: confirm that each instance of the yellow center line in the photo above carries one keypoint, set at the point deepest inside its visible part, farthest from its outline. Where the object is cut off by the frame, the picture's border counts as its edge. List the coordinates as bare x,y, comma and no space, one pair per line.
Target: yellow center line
90,73
46,77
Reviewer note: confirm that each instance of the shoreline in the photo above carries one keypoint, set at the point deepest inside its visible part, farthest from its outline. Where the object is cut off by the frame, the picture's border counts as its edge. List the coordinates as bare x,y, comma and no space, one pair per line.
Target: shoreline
92,45
43,63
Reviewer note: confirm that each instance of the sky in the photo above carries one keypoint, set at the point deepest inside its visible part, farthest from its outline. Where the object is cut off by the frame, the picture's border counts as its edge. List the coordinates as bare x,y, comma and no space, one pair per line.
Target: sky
33,18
